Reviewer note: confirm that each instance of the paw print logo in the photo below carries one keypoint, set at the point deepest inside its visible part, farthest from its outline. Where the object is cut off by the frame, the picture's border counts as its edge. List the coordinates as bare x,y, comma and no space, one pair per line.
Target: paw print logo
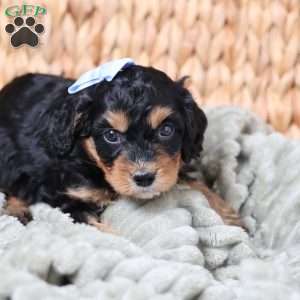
22,34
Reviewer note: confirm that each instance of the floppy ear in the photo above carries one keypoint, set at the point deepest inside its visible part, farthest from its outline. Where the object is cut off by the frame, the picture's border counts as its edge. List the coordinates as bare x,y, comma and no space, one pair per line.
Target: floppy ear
67,119
195,123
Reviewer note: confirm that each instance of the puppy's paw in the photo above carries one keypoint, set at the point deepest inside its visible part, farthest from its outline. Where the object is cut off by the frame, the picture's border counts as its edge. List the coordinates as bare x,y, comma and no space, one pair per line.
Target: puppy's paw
16,207
25,217
91,220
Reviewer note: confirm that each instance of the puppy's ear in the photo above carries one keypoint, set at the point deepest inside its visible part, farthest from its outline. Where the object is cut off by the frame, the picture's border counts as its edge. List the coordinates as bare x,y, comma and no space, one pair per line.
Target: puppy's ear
195,123
68,119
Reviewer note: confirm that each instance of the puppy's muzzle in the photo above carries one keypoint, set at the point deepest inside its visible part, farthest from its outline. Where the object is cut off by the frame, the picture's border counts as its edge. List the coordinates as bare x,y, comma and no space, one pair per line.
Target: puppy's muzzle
144,179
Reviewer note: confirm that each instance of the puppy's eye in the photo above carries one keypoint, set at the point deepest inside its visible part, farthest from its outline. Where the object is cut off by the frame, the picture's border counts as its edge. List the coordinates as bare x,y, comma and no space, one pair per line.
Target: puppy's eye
112,136
166,130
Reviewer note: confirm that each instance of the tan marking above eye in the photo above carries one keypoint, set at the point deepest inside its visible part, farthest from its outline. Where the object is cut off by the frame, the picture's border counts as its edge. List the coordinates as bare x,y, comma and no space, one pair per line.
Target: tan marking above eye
157,115
118,120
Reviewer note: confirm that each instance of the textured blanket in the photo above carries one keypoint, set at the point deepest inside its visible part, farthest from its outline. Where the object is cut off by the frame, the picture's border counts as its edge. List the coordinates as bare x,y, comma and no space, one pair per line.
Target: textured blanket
175,247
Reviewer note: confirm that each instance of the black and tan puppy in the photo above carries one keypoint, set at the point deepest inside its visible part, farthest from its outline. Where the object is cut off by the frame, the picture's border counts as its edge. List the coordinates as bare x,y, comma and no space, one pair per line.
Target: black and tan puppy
126,137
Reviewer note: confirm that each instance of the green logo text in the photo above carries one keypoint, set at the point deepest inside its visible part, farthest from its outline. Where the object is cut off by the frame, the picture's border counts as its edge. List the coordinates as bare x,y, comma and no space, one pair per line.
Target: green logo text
25,10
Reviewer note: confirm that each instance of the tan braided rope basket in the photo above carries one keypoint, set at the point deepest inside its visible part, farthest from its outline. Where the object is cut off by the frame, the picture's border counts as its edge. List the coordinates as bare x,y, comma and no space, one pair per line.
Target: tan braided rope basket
239,52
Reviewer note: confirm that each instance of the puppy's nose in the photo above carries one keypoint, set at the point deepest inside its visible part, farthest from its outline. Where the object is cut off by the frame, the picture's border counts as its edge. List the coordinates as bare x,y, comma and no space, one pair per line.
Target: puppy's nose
144,179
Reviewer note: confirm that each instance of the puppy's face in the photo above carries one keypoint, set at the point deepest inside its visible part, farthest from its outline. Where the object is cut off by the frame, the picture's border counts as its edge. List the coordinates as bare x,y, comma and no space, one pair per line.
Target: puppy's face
143,126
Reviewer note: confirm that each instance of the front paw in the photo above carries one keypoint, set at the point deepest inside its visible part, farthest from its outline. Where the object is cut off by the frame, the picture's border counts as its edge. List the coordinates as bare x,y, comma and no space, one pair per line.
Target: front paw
18,208
93,221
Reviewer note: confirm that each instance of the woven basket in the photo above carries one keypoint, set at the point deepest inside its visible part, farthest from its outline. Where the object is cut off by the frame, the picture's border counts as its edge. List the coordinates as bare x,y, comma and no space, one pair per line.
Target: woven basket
239,52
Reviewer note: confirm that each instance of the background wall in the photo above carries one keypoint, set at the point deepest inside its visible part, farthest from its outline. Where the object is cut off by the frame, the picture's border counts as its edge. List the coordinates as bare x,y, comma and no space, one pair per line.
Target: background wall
239,52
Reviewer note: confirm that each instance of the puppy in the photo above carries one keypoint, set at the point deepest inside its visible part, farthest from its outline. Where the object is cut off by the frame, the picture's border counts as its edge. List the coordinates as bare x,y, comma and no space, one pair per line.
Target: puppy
129,136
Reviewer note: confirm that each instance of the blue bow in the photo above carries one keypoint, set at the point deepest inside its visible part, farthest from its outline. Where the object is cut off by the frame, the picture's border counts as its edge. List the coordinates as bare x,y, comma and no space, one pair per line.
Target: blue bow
105,71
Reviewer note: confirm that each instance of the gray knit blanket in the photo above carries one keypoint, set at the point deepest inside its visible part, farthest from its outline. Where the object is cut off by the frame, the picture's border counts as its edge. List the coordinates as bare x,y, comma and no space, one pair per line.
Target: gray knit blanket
176,246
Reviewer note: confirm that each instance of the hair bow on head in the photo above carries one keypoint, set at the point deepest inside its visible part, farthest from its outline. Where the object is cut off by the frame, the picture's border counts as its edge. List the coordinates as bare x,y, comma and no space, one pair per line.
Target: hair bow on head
105,71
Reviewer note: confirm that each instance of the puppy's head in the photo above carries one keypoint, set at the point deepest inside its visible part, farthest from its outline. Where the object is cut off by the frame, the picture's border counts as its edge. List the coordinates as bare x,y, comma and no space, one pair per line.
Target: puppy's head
141,126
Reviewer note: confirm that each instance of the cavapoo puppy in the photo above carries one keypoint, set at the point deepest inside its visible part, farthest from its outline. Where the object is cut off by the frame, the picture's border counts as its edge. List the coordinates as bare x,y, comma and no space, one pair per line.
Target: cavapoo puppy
129,136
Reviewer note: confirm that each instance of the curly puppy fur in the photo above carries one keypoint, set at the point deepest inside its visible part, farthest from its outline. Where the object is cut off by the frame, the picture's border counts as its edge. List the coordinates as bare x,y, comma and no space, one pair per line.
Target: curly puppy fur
126,137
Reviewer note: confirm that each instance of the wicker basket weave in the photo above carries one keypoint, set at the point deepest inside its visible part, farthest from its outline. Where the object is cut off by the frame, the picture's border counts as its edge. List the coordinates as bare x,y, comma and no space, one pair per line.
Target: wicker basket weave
239,52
